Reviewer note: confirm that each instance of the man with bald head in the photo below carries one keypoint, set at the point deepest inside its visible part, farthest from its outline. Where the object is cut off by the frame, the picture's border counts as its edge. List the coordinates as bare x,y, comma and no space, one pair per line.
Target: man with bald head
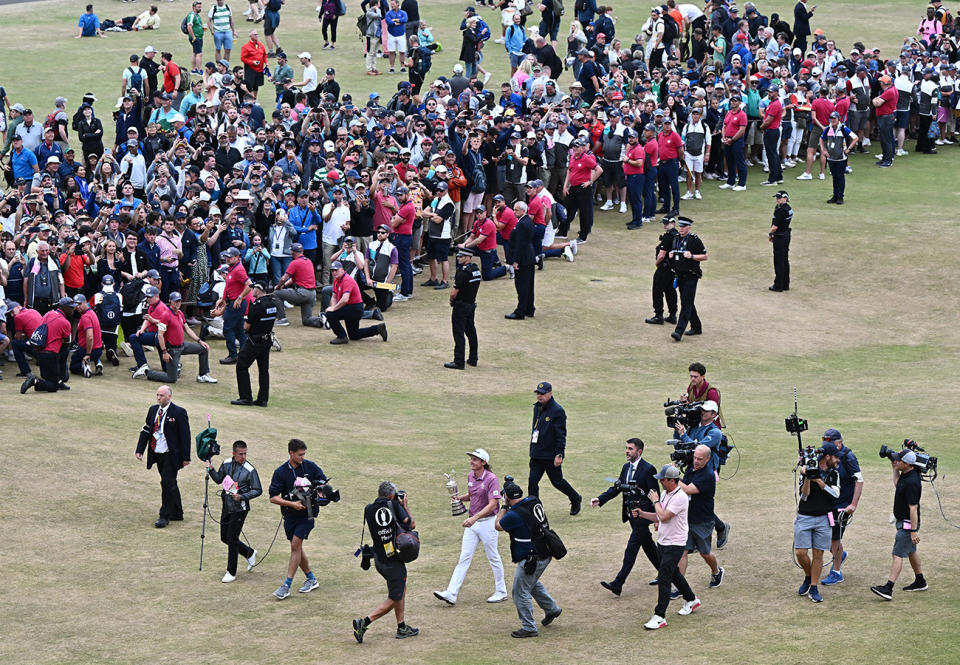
165,437
700,483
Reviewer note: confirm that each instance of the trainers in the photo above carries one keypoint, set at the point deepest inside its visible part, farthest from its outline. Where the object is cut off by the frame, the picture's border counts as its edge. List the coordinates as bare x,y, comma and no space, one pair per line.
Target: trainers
141,371
689,607
885,591
655,623
359,628
568,254
739,188
548,619
510,270
309,585
767,183
282,592
919,584
205,378
498,597
723,536
815,595
674,594
574,246
804,588
687,196
716,580
804,176
902,153
399,297
252,560
623,207
98,370
697,196
87,371
835,577
448,597
227,577
287,305
126,350
282,322
607,206
112,357
429,282
821,176
275,343
524,633
406,631
726,185
441,286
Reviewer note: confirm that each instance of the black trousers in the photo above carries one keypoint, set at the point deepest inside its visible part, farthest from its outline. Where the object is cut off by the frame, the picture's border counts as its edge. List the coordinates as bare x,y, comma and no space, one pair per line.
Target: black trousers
924,142
688,306
170,506
669,574
523,282
130,325
555,473
231,524
53,370
838,171
579,200
663,290
254,351
463,325
781,261
640,537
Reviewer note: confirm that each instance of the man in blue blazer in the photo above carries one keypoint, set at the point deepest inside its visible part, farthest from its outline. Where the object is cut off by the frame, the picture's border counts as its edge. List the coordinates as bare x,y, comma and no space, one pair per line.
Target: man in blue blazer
166,439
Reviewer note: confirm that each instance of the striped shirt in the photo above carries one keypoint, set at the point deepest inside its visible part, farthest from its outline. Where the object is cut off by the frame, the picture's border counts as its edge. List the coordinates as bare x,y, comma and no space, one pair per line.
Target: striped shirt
221,17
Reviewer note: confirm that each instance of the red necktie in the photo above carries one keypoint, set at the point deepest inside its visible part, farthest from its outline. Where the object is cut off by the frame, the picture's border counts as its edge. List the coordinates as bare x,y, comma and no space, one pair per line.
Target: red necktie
156,429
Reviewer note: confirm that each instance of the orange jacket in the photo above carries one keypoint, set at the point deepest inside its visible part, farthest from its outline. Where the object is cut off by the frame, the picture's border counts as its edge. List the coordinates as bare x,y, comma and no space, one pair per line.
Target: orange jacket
254,55
456,180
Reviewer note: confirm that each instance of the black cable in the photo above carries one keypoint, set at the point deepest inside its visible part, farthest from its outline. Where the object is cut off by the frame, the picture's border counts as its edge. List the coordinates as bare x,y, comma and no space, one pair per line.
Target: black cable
244,535
940,505
738,463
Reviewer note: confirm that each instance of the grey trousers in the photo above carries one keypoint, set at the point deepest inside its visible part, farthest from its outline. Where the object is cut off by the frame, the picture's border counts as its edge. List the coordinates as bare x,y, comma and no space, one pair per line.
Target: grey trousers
172,371
526,589
302,296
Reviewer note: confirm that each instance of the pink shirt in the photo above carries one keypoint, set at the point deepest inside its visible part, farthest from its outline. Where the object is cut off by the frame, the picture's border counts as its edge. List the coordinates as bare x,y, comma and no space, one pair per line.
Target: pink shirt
675,531
482,490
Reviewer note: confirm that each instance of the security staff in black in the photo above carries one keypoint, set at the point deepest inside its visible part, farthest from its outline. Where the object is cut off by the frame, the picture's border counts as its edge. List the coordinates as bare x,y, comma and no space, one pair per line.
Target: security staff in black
780,237
548,442
384,517
663,288
236,504
635,481
463,300
258,326
685,257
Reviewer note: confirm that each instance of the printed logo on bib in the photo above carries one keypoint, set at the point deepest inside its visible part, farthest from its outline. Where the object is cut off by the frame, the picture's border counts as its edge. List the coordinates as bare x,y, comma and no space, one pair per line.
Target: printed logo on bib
384,517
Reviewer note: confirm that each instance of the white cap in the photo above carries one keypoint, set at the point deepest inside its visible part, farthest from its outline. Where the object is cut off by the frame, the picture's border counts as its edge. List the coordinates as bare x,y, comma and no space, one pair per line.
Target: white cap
458,68
710,405
481,454
305,54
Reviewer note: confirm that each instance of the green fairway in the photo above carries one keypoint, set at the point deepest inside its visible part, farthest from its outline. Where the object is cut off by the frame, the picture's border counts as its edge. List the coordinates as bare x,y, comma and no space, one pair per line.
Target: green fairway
867,334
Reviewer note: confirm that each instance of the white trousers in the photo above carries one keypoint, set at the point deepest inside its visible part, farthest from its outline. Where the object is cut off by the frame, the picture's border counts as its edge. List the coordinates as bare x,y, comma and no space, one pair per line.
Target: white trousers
481,532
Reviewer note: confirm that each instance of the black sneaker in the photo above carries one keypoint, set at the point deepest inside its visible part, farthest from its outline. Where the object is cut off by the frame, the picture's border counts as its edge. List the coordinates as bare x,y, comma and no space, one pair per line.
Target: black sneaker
429,282
885,591
671,319
722,534
524,633
612,588
359,629
716,580
919,584
407,631
547,620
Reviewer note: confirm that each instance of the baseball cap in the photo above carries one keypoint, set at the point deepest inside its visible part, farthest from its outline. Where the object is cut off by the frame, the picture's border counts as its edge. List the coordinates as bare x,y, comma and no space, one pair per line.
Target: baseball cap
905,456
834,114
107,280
331,70
350,240
152,291
480,453
829,448
668,471
336,265
153,273
305,54
175,296
832,435
296,247
782,194
710,405
511,490
232,251
442,187
543,388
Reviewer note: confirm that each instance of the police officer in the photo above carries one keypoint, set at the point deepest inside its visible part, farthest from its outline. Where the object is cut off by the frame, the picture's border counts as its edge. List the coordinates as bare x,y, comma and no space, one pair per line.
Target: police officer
685,256
779,234
637,474
236,504
548,441
663,288
463,300
258,329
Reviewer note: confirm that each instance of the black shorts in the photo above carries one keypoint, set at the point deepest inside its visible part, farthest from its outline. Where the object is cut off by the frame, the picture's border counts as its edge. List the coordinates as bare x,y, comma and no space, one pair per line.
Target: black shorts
252,78
395,574
438,249
297,526
612,174
840,520
197,45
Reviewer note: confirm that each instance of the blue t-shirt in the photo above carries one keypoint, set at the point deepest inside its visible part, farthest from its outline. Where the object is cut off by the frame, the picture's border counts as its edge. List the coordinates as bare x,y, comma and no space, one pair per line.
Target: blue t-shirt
23,163
89,24
512,523
285,475
701,504
848,466
396,23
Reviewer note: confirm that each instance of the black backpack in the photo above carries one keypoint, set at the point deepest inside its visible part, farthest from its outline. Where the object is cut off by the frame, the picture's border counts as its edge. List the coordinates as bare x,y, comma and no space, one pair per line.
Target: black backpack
670,29
425,61
131,294
38,340
546,541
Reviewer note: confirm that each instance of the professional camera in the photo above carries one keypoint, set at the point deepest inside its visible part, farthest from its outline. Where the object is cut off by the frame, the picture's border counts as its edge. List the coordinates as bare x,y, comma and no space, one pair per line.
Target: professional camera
686,413
682,453
633,496
366,554
313,494
795,424
810,461
925,464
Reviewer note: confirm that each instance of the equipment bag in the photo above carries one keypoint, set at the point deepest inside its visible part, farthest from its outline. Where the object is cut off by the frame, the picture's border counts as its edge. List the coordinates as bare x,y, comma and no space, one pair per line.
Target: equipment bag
545,539
407,544
38,340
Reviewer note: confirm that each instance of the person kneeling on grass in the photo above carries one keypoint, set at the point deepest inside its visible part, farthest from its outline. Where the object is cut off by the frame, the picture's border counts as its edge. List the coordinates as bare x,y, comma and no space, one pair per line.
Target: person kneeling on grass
348,307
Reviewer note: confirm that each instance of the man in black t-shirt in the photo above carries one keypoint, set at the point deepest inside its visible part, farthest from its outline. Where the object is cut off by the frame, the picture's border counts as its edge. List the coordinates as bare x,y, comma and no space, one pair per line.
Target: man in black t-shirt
463,300
383,518
258,326
906,512
700,483
811,529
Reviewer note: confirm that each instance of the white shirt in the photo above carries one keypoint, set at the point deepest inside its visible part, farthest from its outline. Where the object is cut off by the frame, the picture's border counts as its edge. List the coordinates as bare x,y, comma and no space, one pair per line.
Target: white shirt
310,76
332,232
690,12
159,436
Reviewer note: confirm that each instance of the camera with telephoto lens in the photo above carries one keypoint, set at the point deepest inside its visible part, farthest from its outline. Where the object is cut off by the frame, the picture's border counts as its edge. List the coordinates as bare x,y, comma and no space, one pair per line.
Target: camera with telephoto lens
685,413
366,554
810,461
926,464
633,496
682,453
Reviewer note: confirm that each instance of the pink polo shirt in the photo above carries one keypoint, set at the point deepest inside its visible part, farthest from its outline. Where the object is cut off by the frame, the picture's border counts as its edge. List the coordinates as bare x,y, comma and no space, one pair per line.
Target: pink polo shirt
675,531
482,490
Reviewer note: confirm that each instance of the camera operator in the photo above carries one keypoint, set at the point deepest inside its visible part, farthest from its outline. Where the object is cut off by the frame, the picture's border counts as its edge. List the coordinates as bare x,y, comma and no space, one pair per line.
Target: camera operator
851,487
811,529
700,484
906,513
297,523
635,481
236,504
383,518
709,434
530,558
700,390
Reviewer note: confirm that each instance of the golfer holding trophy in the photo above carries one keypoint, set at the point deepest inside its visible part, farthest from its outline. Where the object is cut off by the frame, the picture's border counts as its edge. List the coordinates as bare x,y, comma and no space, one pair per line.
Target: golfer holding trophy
483,494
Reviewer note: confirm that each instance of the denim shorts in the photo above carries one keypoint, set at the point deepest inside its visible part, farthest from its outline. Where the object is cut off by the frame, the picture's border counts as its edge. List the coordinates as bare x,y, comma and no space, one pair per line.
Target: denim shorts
223,40
811,531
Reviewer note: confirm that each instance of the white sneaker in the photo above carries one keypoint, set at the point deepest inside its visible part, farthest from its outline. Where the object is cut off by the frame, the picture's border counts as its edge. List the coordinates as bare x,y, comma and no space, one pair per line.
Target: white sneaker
689,607
574,246
141,371
205,378
126,350
252,560
247,13
804,176
697,196
687,196
510,271
821,176
866,142
740,188
623,207
87,371
446,597
939,141
902,153
287,305
726,185
499,40
568,254
766,169
486,77
498,597
947,142
399,297
655,623
607,206
227,577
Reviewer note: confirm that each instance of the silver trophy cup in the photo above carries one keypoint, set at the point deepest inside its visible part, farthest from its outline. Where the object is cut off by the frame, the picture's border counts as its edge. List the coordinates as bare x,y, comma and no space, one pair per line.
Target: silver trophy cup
456,505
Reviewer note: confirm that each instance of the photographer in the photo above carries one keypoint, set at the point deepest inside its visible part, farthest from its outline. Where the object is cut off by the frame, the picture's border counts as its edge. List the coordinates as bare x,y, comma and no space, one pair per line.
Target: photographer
244,486
635,481
384,517
811,529
297,523
851,487
530,557
906,513
700,484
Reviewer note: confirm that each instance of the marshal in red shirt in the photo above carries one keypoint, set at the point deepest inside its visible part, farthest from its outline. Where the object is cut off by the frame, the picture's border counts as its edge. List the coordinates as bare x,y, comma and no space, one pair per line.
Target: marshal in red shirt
27,321
581,168
346,284
637,153
509,221
89,321
890,97
485,227
536,211
302,273
775,113
669,145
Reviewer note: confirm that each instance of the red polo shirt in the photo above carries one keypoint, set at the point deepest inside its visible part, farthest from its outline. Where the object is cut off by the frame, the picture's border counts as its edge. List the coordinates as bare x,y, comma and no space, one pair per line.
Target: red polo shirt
302,273
732,123
775,113
58,330
842,107
236,279
581,168
161,313
669,145
169,76
652,150
408,212
485,227
346,284
890,97
89,321
27,321
174,334
509,221
636,152
536,211
822,108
